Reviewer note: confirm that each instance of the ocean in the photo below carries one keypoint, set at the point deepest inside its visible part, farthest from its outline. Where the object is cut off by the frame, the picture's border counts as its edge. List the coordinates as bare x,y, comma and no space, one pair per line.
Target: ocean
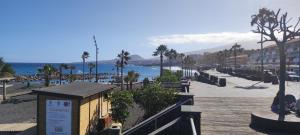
32,69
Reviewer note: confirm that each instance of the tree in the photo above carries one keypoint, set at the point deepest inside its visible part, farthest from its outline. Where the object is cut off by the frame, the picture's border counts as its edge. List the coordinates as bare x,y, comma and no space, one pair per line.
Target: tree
126,80
276,28
48,70
132,77
118,64
235,49
160,51
124,58
261,18
71,76
171,54
84,56
181,57
61,66
6,70
225,57
91,66
154,98
120,103
189,62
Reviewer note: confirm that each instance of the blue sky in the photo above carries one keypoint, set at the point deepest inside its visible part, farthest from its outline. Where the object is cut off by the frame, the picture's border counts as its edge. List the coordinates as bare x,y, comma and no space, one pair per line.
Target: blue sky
60,30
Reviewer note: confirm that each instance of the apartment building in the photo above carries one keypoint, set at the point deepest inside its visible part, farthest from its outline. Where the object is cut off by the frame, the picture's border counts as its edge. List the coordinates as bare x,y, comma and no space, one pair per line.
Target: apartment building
271,57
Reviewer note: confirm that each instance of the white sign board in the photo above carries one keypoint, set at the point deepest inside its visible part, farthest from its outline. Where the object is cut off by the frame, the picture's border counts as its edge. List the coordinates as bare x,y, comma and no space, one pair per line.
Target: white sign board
58,117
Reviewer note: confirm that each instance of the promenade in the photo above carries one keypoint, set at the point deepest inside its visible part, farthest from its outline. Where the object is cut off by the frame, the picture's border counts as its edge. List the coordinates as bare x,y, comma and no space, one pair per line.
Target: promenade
227,110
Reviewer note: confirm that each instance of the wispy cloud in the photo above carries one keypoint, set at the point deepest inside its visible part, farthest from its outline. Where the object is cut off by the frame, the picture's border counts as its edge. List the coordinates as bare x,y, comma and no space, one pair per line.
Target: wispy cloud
208,38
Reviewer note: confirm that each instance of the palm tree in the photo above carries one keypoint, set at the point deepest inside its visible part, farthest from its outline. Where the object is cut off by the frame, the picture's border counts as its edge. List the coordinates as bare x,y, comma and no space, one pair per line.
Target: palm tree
61,66
84,56
235,49
171,54
6,70
48,70
161,50
225,57
117,64
126,79
124,57
91,66
71,67
132,77
189,62
181,57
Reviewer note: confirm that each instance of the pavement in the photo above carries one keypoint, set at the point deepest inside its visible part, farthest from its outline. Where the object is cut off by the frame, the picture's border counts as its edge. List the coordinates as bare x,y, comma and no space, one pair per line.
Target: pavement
227,110
240,87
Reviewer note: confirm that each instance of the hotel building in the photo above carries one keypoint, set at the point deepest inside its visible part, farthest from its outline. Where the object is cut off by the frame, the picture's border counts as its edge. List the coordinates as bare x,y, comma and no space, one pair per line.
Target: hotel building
271,57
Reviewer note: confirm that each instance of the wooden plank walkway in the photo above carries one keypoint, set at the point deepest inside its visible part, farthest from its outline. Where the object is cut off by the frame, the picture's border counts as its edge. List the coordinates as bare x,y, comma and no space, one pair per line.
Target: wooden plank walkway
229,115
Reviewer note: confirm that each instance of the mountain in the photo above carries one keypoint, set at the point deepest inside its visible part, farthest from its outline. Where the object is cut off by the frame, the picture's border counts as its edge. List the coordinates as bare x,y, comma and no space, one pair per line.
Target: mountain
246,45
135,60
136,57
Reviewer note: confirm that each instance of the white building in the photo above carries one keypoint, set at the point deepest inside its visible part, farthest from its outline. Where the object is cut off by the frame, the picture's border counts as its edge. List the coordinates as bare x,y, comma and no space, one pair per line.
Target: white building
271,57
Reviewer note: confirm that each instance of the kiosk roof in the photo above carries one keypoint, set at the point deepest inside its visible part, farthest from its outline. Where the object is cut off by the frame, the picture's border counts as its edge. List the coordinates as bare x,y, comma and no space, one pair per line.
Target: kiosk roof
77,89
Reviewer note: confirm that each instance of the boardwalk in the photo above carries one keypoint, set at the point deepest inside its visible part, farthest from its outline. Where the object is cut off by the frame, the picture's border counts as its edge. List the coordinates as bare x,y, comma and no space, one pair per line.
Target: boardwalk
227,110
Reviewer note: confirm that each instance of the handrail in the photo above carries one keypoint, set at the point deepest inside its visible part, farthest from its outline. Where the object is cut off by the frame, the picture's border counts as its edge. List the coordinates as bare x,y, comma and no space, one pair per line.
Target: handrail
156,116
165,126
193,126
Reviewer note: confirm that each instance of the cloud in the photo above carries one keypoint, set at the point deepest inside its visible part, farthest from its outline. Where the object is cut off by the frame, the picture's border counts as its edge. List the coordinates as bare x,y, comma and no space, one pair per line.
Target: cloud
208,38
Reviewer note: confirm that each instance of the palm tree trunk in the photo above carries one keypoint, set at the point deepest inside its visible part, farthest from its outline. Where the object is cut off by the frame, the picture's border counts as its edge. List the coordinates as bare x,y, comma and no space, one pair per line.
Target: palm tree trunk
130,85
47,80
161,64
234,59
60,75
282,73
90,74
170,65
83,70
122,80
182,68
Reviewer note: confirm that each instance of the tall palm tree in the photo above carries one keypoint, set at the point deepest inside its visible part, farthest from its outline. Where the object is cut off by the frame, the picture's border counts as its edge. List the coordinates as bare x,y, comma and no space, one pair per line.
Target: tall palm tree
71,68
171,55
124,58
189,63
126,80
181,57
91,66
235,49
132,77
61,66
225,57
160,51
118,64
84,56
47,70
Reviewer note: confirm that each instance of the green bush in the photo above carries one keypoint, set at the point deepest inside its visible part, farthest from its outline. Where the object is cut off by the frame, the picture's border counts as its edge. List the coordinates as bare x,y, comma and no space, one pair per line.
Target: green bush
169,76
120,103
146,82
154,98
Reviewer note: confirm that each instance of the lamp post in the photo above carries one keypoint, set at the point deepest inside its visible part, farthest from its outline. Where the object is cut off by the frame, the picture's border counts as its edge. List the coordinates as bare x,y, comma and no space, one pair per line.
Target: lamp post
97,51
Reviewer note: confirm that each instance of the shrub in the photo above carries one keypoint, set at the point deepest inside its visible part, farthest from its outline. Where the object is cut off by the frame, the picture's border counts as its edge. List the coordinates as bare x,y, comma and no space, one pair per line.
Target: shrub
120,102
146,82
169,76
154,98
